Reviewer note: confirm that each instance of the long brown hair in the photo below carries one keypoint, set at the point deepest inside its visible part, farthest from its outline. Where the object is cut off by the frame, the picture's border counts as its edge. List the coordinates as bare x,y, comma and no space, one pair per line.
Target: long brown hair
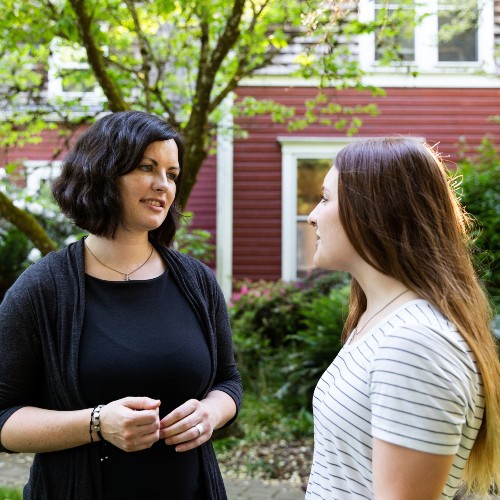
402,216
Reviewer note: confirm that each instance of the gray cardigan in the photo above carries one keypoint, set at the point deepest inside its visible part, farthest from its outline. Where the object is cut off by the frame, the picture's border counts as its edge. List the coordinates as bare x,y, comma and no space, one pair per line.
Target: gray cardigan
41,320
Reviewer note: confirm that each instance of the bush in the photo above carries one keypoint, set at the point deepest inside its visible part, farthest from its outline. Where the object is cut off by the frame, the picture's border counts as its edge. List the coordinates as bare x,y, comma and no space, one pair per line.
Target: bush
286,335
315,346
479,192
194,242
14,250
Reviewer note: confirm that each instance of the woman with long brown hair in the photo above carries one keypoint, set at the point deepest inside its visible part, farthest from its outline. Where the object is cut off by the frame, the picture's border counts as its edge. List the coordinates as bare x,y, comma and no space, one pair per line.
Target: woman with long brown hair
410,407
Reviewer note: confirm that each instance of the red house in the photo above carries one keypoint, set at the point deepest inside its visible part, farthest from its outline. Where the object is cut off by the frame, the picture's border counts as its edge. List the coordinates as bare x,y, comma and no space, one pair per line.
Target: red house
255,193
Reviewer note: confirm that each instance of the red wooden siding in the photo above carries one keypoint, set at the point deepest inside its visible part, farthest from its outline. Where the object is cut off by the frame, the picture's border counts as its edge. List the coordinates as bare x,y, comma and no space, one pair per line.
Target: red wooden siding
439,115
202,201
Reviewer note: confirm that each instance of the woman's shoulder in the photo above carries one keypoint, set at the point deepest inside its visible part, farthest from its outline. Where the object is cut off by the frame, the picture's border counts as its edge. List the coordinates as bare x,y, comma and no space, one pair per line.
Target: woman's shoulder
52,268
424,330
187,263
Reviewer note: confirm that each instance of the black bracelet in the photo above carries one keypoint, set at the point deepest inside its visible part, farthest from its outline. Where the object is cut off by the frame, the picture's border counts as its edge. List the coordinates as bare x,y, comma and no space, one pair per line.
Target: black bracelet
96,415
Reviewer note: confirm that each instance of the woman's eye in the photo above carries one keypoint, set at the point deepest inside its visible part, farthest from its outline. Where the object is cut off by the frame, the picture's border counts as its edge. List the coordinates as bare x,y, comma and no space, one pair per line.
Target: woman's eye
322,199
146,168
172,176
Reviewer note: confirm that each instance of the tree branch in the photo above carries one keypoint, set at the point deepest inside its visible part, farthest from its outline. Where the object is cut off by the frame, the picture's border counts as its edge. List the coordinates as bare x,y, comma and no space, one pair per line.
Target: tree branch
27,224
95,57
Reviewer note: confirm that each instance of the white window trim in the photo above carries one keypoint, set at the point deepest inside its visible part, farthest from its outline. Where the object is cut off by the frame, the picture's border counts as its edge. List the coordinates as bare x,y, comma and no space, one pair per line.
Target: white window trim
431,72
293,149
224,224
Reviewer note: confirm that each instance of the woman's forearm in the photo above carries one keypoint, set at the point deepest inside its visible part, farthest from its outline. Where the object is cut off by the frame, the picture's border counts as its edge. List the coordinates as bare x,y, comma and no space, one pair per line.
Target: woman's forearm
35,430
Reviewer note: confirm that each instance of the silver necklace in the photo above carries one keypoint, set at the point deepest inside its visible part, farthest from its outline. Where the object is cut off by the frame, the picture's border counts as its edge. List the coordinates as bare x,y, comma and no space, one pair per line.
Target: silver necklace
356,331
126,276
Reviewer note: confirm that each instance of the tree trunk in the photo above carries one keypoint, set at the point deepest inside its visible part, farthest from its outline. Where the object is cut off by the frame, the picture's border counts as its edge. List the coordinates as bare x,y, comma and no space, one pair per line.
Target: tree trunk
27,224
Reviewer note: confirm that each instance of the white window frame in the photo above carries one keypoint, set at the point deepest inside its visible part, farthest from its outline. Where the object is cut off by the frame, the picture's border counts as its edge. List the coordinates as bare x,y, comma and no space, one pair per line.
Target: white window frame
55,83
431,71
293,149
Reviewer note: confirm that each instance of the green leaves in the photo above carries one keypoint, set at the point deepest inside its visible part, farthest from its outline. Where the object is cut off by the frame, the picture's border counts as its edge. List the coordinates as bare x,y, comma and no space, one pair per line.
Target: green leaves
479,191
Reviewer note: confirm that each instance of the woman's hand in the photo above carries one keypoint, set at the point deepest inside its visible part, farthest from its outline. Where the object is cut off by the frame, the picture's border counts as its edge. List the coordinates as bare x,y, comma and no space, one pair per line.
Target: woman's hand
189,425
194,422
131,423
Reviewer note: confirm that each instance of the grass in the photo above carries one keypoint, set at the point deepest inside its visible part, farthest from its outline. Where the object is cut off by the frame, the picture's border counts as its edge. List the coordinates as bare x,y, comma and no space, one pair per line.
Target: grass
10,493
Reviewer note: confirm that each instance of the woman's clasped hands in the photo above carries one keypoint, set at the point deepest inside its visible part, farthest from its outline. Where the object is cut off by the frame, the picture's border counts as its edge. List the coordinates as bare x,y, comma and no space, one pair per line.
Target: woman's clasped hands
133,424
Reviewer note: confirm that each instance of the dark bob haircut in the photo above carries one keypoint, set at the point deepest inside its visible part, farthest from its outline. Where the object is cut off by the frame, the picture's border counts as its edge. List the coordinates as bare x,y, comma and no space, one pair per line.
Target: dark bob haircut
87,190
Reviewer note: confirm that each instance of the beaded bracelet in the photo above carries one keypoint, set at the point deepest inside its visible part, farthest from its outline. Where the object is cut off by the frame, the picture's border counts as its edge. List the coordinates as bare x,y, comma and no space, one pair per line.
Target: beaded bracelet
90,424
96,420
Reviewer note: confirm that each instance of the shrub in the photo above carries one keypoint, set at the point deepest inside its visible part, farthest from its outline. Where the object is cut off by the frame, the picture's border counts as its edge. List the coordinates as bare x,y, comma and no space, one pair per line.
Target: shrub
479,192
14,250
314,346
285,335
194,242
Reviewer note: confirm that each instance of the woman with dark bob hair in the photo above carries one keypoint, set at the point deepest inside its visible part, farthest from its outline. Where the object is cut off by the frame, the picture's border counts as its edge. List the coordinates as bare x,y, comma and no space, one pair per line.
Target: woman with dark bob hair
410,407
117,358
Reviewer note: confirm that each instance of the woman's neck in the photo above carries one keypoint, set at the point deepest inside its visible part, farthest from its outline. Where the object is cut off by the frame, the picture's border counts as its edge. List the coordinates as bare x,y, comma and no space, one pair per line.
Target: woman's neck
379,289
123,249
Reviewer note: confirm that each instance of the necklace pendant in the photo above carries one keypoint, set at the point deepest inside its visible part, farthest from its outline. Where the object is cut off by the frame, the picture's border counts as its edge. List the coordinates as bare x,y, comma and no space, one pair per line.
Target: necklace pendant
126,278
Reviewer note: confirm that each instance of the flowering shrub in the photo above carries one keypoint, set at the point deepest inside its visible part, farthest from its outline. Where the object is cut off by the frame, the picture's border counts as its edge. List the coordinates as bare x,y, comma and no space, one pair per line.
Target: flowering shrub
279,325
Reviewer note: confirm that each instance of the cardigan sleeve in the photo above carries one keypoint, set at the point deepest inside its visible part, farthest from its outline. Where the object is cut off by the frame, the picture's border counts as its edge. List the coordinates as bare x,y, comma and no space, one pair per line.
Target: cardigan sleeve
20,365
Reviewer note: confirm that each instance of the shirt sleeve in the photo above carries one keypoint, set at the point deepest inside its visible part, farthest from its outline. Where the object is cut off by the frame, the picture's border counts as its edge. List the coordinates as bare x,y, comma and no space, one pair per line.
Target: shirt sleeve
422,389
20,358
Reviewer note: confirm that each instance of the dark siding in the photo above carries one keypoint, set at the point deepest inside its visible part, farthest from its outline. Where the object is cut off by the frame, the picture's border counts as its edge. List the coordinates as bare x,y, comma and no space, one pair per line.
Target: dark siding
441,116
202,201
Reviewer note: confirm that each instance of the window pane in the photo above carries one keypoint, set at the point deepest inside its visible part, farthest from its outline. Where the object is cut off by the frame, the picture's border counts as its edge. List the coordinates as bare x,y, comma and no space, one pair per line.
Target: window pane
395,40
457,35
310,176
306,240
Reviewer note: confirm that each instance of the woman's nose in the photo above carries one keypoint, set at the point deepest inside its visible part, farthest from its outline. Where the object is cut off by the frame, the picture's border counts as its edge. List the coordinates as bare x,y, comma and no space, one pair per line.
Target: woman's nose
311,219
161,183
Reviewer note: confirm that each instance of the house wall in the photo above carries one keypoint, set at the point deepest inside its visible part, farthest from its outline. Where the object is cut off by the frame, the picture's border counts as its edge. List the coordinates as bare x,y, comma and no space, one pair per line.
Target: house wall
441,116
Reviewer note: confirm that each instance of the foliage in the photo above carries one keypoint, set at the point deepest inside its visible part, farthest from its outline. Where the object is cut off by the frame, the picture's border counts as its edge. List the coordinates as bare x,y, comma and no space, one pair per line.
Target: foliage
194,242
480,194
16,251
178,59
278,326
10,493
314,346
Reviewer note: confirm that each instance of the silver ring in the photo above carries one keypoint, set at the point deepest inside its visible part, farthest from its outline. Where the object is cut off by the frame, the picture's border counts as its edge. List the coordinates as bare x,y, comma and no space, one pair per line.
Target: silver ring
200,428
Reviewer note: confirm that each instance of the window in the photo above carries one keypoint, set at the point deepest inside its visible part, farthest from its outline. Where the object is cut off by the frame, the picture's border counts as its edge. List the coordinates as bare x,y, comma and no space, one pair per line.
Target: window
458,33
429,37
396,40
69,73
39,172
305,161
310,175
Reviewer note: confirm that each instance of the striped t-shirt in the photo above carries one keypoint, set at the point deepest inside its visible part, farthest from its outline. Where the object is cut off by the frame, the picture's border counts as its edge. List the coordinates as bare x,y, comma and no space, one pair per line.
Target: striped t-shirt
411,381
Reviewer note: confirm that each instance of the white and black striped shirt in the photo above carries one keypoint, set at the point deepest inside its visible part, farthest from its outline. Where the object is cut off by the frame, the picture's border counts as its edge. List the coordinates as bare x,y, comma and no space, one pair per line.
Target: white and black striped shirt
410,381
